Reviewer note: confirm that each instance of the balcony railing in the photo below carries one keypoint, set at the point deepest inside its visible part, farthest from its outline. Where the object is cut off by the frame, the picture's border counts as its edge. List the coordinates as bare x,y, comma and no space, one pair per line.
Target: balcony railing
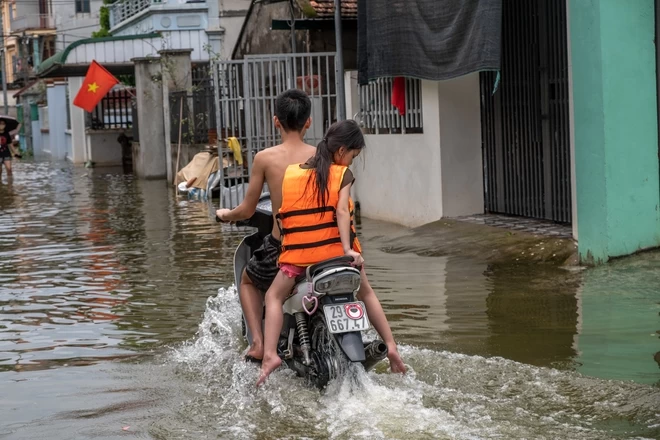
122,10
33,21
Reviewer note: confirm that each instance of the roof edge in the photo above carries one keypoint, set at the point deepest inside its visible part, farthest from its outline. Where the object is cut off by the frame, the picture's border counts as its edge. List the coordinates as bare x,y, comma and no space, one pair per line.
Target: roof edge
59,58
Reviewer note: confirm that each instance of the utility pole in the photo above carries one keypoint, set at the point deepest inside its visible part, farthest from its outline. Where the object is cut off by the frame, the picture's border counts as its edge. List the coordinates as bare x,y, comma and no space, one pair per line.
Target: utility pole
339,65
2,57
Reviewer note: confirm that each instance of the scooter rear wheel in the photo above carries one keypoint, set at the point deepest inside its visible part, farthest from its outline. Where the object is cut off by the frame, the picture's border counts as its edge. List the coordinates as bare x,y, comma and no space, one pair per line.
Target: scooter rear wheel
328,358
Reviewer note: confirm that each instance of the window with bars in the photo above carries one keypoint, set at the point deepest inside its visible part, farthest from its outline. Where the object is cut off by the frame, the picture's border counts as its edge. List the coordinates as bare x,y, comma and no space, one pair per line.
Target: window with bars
379,116
83,7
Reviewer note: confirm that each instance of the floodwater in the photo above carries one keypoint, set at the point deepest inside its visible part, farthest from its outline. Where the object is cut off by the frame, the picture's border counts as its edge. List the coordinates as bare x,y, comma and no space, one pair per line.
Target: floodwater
118,319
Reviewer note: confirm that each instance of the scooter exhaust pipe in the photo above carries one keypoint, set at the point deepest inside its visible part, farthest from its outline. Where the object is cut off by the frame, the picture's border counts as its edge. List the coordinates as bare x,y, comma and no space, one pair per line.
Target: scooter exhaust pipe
375,351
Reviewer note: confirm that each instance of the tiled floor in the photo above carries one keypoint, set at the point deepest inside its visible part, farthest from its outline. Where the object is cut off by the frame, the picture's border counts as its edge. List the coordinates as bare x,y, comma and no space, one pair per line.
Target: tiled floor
529,225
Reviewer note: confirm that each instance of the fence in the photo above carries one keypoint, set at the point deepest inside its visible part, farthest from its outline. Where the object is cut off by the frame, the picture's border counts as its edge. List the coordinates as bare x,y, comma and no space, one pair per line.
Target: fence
202,76
195,114
245,102
378,114
115,111
125,9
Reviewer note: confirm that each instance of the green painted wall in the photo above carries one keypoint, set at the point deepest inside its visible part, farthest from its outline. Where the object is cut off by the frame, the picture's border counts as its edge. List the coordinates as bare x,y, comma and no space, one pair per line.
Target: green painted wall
616,133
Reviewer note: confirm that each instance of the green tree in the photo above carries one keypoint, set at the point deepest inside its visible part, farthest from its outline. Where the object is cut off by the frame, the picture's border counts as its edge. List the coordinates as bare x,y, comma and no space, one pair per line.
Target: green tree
104,21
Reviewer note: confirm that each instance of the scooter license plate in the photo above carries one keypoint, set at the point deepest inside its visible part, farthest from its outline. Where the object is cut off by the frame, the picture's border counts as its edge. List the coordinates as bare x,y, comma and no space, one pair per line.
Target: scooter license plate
346,317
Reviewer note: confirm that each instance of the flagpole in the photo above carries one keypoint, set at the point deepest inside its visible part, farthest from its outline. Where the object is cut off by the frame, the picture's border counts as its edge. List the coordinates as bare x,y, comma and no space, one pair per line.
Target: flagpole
339,63
2,60
178,153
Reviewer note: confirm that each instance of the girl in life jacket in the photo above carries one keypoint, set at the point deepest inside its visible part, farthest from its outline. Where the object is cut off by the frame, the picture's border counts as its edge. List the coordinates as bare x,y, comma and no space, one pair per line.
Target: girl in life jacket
313,194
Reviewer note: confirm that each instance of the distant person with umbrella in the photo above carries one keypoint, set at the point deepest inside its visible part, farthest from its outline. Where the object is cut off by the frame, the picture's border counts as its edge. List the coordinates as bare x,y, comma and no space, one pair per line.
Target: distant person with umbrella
7,125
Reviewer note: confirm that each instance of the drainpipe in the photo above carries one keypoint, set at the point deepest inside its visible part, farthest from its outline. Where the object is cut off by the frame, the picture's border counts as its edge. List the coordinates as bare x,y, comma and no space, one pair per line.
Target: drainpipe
339,62
36,55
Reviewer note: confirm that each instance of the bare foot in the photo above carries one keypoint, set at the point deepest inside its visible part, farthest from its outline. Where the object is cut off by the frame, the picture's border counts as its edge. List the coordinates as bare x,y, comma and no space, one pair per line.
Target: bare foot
268,365
396,364
256,351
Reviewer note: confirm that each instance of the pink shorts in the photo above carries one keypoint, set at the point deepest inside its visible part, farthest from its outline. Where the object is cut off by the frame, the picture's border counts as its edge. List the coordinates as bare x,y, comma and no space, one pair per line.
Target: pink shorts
292,271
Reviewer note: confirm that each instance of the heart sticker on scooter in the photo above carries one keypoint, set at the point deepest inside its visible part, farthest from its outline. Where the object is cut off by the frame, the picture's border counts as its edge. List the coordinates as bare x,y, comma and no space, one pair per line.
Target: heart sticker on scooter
354,311
307,301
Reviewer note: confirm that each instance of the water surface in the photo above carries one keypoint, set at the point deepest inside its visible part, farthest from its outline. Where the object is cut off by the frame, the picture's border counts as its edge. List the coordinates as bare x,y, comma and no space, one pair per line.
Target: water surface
117,317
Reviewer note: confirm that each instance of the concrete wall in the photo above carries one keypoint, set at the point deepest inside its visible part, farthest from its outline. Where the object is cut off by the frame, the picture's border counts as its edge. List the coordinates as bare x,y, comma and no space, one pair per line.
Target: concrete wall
231,15
177,77
102,147
616,132
72,26
413,179
69,145
165,20
259,39
149,155
45,143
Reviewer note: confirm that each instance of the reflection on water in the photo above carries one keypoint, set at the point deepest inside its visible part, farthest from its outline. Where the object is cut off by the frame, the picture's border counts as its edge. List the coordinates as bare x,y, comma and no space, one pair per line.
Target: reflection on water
620,320
110,318
95,265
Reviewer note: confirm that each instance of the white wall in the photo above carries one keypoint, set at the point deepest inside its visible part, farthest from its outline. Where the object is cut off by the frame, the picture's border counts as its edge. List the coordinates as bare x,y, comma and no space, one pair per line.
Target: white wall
37,145
399,178
103,148
460,141
69,145
414,179
71,26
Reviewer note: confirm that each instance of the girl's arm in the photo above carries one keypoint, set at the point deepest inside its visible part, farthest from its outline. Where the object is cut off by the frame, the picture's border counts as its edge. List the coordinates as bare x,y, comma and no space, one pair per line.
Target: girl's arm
344,223
344,217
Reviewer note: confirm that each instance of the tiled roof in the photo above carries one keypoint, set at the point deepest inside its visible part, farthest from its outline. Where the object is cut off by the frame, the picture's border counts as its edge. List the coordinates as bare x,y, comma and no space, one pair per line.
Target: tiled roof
326,8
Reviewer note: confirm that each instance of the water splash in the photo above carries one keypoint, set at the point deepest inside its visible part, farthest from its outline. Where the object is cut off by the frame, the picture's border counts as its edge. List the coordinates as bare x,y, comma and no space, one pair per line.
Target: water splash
445,395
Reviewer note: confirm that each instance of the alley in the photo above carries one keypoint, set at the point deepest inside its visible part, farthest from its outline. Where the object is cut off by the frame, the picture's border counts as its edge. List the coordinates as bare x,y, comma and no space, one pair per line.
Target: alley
117,314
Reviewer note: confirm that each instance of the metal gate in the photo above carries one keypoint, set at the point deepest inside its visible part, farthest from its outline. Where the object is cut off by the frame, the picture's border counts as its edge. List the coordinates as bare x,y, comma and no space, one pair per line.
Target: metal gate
245,105
525,124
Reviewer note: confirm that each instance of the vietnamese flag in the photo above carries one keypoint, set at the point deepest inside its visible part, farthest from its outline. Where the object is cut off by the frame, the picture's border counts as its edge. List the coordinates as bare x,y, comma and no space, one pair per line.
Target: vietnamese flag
96,85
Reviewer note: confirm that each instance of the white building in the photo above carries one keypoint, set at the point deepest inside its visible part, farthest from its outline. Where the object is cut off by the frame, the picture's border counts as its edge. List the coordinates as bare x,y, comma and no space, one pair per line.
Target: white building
424,165
75,20
139,29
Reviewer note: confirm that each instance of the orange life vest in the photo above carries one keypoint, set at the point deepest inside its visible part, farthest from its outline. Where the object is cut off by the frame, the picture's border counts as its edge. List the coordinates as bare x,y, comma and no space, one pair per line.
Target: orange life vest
310,233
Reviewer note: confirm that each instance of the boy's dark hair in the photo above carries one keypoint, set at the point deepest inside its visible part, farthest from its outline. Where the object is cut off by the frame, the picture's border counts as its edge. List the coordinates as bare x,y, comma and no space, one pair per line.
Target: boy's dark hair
293,108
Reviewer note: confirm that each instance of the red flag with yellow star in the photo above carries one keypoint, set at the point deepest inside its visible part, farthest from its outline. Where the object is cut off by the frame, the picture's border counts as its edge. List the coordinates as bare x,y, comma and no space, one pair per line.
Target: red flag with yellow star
96,85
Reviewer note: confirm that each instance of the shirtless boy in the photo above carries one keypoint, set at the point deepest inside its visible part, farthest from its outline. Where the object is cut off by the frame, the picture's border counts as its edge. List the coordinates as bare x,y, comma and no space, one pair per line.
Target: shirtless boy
292,119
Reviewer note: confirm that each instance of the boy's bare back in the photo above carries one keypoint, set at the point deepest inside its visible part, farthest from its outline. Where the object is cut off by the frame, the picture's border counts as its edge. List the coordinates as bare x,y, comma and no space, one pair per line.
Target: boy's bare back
272,164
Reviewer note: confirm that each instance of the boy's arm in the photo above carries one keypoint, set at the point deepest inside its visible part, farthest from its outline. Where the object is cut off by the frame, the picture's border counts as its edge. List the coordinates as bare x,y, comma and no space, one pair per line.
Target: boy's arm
249,204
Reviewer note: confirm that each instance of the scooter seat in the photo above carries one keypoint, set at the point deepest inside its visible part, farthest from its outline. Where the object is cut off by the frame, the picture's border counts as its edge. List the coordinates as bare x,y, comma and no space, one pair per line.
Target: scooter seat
324,265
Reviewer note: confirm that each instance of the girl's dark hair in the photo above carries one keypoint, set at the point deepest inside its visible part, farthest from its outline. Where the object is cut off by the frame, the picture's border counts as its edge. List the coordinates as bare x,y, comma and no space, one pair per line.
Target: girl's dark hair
340,134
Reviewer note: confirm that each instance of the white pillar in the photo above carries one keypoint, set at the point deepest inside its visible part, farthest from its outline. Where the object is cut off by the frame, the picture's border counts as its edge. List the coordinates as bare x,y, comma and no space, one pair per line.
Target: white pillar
177,77
77,123
460,146
149,160
56,95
